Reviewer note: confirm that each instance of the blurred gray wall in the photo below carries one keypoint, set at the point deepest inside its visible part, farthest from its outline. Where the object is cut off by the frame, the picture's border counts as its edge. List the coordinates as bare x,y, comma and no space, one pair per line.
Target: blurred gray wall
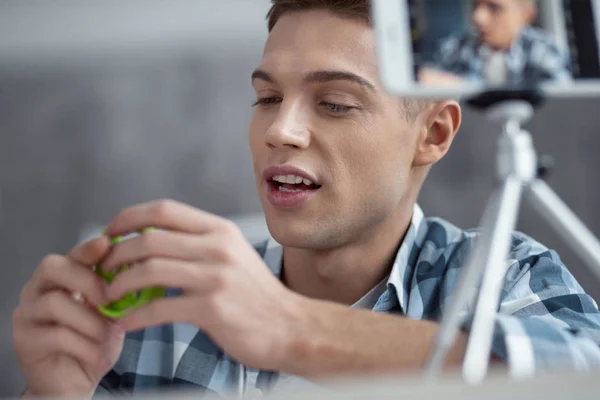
75,147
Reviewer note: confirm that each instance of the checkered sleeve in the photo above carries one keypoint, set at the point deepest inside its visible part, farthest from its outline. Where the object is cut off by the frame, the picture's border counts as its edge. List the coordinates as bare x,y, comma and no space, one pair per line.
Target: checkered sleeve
455,55
448,55
546,321
546,61
101,392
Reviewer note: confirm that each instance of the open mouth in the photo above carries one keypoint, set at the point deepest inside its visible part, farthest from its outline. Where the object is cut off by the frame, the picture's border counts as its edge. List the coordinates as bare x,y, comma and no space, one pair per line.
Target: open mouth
292,184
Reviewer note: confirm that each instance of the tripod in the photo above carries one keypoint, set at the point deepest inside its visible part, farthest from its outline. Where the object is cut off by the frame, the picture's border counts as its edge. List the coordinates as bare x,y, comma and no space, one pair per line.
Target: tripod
517,170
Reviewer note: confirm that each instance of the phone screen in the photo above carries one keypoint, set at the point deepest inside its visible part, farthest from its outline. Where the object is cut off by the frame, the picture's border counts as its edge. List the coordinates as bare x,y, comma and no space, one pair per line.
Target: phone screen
503,42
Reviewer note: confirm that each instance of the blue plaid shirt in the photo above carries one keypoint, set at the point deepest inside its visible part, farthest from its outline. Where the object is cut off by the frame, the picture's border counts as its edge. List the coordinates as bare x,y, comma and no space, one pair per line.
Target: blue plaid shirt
533,57
545,320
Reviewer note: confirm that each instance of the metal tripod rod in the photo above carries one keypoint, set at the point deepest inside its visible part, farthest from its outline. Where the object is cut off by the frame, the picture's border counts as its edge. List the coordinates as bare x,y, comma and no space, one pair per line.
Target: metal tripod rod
515,164
468,279
477,355
564,221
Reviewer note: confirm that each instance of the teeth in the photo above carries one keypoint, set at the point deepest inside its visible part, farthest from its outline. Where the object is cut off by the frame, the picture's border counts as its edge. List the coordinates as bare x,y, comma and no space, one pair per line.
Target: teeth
280,178
292,179
284,189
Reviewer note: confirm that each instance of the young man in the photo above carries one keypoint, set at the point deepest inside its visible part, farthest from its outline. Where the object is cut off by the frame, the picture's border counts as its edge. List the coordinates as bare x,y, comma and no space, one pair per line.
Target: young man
339,164
503,50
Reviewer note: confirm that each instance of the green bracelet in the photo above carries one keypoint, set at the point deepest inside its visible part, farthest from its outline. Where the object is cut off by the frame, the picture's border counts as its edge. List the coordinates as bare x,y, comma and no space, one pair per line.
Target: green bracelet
131,300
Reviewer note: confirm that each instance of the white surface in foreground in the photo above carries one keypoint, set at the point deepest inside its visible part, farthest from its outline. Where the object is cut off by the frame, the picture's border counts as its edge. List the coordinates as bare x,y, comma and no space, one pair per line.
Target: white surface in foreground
558,386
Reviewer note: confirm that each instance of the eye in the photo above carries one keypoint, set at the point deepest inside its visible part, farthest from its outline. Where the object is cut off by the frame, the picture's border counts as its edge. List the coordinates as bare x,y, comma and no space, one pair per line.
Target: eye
267,101
336,108
494,8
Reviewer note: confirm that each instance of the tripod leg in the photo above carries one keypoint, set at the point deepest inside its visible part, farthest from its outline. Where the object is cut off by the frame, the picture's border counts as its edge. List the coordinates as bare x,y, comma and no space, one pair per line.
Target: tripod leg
470,276
566,224
477,355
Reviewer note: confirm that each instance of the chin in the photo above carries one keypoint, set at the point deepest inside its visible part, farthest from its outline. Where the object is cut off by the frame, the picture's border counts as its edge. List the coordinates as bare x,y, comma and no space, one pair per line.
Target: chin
305,233
292,231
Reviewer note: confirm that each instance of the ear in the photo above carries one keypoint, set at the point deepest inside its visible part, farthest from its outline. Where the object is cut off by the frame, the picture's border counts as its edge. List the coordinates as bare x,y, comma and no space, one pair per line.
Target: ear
438,131
530,14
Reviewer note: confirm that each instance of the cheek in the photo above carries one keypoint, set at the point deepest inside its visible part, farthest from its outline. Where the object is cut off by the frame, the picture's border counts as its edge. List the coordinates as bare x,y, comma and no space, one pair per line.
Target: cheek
256,133
506,26
376,162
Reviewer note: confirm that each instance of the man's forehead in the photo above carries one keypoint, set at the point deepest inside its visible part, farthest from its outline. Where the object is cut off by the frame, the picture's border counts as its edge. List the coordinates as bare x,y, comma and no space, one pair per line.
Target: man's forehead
306,41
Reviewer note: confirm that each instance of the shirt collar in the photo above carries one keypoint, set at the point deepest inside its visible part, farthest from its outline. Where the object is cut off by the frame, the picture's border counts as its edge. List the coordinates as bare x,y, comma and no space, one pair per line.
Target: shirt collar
515,57
398,282
400,275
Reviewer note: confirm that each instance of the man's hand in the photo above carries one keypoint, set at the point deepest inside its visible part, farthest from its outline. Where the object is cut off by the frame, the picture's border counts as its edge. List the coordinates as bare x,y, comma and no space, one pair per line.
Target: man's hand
230,294
228,291
434,77
63,345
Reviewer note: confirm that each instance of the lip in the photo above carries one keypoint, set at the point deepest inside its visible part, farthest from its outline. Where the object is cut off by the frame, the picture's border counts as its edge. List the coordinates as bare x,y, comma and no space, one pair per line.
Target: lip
287,169
287,200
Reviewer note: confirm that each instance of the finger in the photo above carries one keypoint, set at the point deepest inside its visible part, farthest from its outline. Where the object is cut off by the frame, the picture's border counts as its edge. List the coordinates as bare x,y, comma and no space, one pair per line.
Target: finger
91,252
52,340
168,215
166,244
62,273
59,308
164,311
170,273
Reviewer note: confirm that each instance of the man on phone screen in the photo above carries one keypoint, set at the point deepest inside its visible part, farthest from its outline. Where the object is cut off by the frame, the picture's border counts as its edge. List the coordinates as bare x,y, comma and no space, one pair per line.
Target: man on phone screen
501,49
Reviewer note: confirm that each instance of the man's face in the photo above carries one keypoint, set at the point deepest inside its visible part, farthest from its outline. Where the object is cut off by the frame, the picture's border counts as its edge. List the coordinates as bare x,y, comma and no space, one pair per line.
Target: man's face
324,120
499,22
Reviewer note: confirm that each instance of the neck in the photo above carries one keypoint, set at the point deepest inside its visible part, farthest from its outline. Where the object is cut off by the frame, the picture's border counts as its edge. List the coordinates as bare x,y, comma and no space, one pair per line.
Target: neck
506,47
347,273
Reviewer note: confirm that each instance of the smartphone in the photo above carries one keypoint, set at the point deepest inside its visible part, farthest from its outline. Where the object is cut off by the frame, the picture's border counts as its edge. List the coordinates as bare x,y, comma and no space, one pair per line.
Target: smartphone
458,48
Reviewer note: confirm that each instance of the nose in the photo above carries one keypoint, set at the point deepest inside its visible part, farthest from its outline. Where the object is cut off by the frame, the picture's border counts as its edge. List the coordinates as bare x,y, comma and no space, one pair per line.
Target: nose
289,128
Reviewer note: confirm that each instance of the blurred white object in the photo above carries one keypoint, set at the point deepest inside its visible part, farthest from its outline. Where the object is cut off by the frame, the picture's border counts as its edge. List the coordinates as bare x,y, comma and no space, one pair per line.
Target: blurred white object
556,386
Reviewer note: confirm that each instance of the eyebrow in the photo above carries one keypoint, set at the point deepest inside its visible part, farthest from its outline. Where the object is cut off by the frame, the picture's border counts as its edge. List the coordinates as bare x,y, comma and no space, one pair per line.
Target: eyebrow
320,77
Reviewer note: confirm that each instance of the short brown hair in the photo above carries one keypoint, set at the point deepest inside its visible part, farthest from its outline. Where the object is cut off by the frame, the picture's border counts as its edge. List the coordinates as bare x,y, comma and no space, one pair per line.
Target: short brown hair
356,9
